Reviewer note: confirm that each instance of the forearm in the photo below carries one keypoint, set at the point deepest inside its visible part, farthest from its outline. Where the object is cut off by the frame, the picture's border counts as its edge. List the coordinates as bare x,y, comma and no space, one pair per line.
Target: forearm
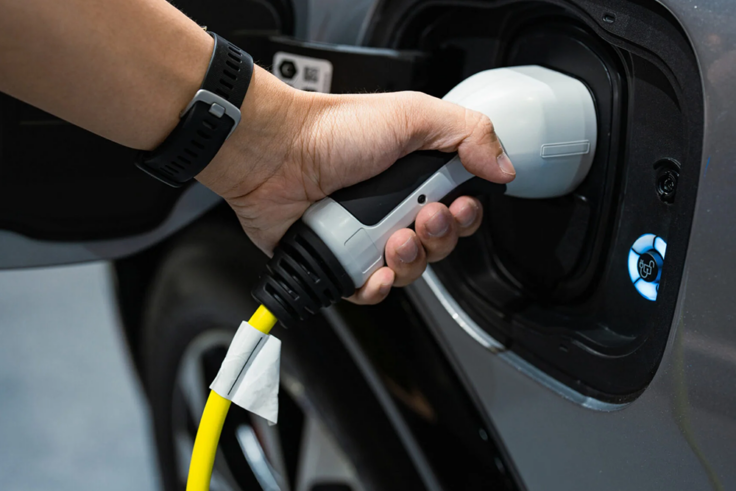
123,69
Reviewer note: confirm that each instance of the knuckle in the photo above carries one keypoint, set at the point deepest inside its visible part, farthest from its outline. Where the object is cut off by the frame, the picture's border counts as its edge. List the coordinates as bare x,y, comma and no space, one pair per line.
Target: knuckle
485,125
479,126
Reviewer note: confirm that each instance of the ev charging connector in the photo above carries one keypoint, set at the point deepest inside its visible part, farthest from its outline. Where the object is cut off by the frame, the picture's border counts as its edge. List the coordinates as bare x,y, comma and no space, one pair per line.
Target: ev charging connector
546,122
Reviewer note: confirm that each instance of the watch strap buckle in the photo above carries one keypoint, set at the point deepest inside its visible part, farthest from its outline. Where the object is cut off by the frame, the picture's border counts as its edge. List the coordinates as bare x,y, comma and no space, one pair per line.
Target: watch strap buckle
219,107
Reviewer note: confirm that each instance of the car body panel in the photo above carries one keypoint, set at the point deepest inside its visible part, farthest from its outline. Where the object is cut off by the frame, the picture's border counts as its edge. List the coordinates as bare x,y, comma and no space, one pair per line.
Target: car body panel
680,433
19,251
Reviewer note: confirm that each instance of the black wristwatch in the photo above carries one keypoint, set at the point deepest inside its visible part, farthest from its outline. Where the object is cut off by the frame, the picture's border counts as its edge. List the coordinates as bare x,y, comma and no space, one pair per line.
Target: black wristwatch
207,121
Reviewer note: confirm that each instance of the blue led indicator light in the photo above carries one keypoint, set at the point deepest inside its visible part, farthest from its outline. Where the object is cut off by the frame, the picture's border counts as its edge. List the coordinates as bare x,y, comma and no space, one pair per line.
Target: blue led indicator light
646,258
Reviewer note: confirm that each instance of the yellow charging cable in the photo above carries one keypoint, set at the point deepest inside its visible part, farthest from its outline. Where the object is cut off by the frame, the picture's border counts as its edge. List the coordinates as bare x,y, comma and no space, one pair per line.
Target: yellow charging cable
213,417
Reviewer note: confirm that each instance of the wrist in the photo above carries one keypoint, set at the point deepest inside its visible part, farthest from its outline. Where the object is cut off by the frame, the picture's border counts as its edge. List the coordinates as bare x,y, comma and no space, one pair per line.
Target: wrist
208,120
271,114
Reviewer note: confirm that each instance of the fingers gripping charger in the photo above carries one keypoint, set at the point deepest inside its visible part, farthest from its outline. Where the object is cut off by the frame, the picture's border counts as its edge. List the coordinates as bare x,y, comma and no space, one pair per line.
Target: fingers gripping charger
546,122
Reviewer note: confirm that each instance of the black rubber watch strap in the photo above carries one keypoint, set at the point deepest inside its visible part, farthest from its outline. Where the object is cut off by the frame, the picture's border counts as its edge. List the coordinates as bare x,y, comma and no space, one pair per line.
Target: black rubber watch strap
229,72
207,121
189,148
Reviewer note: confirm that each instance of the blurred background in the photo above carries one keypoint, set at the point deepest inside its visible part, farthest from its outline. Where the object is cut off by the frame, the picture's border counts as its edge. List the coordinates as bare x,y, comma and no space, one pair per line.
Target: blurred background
72,412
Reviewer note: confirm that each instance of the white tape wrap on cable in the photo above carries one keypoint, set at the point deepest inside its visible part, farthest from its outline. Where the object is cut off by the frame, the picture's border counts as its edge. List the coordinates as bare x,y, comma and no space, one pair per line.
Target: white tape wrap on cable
249,375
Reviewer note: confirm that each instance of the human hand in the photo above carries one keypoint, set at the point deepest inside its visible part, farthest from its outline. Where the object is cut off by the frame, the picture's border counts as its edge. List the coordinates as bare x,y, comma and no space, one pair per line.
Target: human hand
293,148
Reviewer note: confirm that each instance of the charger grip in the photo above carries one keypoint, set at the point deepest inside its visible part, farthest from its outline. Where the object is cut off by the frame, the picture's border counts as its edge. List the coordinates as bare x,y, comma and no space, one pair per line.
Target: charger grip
339,242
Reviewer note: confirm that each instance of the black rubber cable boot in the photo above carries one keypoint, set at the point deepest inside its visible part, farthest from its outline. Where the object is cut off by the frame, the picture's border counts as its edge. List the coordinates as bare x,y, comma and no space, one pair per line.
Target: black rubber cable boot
303,277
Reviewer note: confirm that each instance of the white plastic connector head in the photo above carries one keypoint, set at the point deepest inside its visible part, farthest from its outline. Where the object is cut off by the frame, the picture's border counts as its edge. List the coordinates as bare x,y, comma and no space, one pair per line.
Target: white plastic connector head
545,120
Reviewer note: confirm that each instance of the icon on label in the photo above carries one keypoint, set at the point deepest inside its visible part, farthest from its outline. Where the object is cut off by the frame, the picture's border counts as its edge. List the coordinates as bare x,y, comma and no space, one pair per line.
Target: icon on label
646,258
287,69
303,72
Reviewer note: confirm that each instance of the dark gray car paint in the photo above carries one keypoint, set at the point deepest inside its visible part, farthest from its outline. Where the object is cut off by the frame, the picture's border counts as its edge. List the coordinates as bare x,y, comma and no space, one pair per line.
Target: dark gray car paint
681,432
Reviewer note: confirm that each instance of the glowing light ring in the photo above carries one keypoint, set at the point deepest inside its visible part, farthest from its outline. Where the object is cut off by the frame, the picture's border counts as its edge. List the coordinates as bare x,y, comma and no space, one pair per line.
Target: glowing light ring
642,245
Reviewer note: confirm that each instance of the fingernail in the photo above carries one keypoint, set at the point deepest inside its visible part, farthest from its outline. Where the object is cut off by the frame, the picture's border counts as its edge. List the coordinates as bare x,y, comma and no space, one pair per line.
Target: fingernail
505,164
466,215
384,289
438,225
408,251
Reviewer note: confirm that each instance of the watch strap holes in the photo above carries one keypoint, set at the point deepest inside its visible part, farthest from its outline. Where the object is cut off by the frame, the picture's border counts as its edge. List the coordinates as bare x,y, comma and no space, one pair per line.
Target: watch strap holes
232,65
184,159
178,166
234,57
197,144
209,125
226,84
189,152
222,93
229,74
204,135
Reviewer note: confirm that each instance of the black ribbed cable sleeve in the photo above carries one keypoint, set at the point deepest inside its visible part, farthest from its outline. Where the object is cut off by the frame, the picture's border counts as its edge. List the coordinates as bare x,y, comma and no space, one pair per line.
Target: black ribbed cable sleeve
303,277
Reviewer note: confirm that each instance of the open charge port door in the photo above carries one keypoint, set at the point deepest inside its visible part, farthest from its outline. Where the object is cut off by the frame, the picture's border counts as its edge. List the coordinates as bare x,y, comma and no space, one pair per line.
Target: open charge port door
561,282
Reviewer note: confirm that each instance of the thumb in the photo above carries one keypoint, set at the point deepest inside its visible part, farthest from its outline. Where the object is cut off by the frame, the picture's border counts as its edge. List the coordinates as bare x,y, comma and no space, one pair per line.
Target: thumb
435,124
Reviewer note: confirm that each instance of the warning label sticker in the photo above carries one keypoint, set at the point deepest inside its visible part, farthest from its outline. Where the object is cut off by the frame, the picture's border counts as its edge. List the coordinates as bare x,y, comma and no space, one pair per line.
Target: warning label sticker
302,72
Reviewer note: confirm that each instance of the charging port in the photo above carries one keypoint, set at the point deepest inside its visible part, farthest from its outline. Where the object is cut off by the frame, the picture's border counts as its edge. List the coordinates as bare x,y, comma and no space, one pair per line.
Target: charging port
553,279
